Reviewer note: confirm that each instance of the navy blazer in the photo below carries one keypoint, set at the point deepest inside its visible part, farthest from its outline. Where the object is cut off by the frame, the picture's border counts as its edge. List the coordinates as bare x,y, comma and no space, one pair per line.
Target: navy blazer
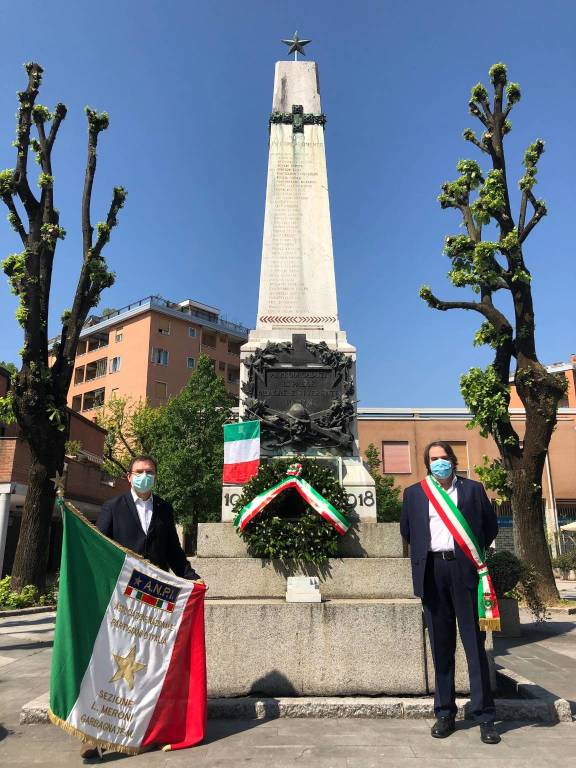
118,519
473,503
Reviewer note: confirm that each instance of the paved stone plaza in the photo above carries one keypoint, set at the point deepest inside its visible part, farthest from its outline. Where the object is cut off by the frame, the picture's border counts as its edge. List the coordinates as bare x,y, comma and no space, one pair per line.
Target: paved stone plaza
545,654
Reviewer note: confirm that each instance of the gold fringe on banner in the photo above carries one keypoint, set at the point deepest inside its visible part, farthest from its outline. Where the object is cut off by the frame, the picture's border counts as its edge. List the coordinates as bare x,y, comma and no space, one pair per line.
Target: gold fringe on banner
492,625
108,745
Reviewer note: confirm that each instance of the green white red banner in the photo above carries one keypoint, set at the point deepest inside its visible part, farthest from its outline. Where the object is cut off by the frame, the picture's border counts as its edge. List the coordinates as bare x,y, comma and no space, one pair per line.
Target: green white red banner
241,452
128,668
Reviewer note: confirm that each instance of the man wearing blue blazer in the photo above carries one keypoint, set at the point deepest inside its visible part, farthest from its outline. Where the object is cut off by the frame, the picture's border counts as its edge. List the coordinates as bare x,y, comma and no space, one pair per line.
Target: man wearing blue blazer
447,582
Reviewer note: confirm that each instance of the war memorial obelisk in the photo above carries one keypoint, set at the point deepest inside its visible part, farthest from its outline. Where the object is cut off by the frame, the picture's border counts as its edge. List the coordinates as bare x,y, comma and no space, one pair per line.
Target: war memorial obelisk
298,369
367,636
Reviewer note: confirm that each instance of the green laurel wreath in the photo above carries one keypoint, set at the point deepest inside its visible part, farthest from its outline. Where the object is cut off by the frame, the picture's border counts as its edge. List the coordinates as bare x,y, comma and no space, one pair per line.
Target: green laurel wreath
289,528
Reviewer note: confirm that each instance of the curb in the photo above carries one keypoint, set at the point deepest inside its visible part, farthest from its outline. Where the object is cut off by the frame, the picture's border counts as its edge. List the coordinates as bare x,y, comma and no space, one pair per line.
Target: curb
512,682
27,611
386,707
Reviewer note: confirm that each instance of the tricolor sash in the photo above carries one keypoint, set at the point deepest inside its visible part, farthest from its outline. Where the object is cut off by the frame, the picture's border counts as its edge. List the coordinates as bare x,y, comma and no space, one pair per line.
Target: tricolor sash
454,520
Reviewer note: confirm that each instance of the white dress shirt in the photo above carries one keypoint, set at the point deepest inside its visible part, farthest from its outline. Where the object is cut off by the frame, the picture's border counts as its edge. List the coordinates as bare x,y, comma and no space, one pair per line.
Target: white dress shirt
441,540
144,508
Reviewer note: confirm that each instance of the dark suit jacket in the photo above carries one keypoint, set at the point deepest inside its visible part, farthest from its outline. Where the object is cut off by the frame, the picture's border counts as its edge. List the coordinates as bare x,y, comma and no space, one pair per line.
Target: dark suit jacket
415,528
119,520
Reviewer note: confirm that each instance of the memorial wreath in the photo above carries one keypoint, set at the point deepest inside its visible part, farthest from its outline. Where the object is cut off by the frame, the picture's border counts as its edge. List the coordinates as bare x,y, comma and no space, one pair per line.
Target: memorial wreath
292,511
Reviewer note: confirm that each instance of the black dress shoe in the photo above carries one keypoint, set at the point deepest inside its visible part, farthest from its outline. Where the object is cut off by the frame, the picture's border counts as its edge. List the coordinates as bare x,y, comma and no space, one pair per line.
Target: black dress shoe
489,734
443,727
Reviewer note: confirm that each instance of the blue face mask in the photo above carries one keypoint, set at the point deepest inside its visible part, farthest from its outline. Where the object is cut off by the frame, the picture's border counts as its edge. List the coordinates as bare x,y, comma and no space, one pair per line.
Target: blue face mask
143,482
441,468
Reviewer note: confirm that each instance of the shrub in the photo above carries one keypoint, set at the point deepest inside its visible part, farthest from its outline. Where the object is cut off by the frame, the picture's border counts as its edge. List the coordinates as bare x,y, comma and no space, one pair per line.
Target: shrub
27,597
506,571
566,561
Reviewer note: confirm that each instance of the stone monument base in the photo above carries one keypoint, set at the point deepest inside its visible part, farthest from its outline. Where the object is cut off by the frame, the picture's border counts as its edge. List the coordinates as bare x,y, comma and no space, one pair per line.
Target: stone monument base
366,637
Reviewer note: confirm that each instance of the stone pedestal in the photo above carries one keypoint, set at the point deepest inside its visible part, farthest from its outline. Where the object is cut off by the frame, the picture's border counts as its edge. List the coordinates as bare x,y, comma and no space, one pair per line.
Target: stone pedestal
366,637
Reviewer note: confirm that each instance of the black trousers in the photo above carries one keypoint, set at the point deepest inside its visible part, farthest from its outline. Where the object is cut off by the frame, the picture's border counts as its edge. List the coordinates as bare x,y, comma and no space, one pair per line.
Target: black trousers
446,600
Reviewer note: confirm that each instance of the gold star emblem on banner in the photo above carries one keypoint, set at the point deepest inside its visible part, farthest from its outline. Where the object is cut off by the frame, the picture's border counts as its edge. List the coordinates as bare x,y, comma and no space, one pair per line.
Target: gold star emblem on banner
58,484
127,666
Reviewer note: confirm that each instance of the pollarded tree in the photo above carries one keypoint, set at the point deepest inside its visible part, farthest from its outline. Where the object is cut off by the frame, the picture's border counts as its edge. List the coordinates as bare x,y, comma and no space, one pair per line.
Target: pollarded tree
39,390
487,266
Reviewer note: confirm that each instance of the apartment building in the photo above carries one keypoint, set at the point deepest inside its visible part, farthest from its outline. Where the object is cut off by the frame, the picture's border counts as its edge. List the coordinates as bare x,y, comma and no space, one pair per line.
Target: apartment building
149,349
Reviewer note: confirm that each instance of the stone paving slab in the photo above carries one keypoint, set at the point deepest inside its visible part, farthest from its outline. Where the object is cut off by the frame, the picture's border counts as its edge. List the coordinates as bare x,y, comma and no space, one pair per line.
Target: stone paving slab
290,743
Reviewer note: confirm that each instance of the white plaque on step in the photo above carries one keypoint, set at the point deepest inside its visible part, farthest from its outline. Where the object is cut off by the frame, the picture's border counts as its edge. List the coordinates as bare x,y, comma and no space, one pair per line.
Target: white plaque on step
303,589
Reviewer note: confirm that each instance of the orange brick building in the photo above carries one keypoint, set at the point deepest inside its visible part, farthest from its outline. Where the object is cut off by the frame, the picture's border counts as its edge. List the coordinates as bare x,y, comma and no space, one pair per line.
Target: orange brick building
401,434
149,349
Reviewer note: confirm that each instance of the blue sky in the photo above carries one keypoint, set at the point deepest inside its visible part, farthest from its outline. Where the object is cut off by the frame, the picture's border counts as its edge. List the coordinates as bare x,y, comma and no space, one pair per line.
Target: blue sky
188,87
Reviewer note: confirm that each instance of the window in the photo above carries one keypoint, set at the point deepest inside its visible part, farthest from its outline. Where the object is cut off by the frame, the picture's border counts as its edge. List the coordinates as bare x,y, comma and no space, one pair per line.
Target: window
460,448
191,363
233,375
208,339
396,458
164,327
119,334
81,350
79,375
93,399
159,356
221,366
77,403
97,341
160,390
115,364
234,348
191,332
96,369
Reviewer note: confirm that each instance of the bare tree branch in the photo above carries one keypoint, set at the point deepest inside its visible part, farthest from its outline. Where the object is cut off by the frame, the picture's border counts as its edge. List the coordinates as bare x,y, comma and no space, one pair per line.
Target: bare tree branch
494,316
59,115
15,218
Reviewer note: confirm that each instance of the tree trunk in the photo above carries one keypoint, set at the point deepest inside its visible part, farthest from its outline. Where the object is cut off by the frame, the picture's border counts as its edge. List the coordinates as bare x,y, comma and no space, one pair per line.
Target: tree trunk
530,542
31,556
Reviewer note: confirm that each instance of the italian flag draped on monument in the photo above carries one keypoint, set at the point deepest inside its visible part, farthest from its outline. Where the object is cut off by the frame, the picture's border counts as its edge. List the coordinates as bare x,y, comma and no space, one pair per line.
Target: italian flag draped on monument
128,668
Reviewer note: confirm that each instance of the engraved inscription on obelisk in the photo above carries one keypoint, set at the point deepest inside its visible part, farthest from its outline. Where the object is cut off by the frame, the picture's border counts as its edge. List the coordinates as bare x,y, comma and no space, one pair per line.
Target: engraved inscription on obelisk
297,284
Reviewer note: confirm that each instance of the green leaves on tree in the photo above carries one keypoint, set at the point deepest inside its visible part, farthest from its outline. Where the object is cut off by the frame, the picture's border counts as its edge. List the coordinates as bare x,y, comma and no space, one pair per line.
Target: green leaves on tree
388,503
486,397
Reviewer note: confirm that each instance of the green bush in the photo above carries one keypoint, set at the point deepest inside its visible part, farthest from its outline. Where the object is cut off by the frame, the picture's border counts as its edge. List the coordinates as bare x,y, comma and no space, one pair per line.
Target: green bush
514,578
28,596
565,562
506,571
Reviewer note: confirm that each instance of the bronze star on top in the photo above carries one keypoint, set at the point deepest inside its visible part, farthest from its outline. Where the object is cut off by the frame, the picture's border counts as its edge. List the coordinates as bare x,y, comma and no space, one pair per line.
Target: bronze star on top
295,45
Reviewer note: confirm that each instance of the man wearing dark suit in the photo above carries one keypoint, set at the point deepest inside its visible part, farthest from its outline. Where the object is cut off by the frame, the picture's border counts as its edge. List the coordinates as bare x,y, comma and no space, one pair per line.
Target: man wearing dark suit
143,522
447,582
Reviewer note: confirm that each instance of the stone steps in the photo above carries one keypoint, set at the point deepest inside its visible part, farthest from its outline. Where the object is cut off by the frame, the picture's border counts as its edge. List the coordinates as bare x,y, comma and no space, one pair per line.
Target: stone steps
363,540
361,577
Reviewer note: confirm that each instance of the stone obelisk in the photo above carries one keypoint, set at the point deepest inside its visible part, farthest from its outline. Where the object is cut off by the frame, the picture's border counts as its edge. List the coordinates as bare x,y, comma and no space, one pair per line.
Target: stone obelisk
298,369
297,283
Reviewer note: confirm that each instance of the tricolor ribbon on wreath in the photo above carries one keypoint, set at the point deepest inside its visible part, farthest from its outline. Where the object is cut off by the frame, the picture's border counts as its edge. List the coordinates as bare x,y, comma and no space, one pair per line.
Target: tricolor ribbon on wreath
454,520
308,493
